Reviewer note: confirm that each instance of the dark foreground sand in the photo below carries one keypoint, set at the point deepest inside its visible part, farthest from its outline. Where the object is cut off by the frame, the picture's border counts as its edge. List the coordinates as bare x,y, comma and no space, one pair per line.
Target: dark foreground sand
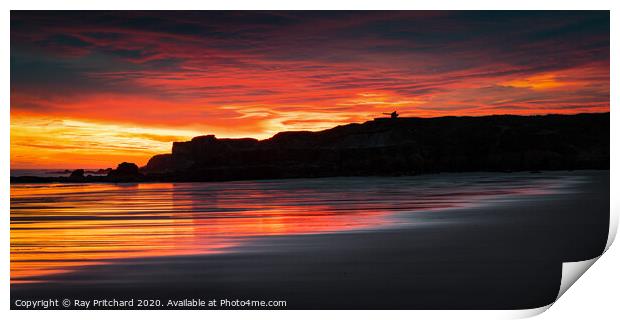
505,255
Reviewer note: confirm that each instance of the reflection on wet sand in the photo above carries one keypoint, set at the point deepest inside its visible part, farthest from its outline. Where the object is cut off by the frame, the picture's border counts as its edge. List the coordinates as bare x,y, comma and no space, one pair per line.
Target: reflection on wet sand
58,227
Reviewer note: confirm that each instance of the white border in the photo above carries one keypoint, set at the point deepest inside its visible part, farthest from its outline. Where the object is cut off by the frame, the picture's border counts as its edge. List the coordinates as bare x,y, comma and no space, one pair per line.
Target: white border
311,5
595,295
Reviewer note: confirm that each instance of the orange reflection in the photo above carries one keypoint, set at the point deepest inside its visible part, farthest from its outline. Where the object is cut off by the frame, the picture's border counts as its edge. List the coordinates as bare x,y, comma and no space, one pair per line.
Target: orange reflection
57,228
79,225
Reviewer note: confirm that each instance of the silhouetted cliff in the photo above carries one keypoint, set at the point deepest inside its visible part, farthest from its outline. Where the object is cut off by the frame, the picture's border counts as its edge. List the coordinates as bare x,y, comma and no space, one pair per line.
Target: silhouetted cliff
395,147
401,146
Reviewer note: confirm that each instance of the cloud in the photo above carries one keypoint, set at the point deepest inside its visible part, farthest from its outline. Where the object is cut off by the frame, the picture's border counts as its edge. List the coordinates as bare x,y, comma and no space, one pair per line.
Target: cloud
254,73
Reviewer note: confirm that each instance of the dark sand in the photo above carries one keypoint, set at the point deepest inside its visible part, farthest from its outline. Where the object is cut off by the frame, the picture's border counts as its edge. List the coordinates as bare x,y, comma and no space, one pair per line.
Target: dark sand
505,255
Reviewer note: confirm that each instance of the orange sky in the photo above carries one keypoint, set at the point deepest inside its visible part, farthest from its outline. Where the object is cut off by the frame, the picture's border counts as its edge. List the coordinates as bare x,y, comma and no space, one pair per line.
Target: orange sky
93,89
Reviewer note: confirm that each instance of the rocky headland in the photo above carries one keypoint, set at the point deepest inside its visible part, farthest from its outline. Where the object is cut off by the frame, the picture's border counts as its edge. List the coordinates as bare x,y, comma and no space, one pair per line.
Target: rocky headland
384,146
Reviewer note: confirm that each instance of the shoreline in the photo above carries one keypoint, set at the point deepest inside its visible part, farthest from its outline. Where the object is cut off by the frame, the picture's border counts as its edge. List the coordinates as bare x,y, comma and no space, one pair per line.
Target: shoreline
16,180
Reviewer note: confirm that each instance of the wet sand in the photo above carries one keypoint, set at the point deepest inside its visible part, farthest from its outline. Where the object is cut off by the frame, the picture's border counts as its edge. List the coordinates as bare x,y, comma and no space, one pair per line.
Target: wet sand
505,254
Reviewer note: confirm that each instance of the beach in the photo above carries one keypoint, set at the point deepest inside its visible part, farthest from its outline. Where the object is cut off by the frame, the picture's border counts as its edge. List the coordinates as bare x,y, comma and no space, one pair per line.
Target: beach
446,241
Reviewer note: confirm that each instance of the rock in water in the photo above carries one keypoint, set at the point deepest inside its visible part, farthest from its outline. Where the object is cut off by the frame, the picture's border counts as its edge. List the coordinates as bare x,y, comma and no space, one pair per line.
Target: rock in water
79,173
125,171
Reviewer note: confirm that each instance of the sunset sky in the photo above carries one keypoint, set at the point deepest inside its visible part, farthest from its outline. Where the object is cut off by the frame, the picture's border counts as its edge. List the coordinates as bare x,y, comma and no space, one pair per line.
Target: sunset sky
93,89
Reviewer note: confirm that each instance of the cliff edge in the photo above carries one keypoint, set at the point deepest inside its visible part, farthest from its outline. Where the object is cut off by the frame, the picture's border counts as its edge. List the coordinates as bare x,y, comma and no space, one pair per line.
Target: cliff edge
399,146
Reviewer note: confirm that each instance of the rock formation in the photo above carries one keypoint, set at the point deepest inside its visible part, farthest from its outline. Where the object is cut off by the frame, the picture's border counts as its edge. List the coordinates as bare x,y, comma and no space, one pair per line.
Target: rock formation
77,174
384,146
397,146
125,171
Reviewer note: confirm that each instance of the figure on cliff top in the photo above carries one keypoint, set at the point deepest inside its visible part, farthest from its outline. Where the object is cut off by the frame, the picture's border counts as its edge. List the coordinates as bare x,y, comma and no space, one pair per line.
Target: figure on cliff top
392,115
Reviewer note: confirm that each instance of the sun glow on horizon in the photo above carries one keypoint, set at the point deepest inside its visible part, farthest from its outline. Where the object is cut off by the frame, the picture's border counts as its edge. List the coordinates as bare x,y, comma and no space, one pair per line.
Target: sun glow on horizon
69,143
